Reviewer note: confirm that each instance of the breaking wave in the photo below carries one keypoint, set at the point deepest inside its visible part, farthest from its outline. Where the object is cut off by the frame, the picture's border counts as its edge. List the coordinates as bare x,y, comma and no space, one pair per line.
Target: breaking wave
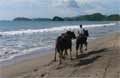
53,29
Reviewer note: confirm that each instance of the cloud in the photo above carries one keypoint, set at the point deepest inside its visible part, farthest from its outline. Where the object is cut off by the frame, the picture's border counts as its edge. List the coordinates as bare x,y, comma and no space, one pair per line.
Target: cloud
50,8
105,7
90,6
68,4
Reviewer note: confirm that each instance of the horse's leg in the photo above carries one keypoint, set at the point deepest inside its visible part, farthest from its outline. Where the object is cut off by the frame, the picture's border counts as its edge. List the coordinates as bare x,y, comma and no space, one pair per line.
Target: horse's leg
85,43
55,54
86,46
77,46
81,48
60,58
63,54
71,53
66,53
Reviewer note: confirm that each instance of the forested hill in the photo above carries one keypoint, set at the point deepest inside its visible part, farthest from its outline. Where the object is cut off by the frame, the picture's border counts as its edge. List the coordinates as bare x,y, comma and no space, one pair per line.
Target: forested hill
95,17
91,17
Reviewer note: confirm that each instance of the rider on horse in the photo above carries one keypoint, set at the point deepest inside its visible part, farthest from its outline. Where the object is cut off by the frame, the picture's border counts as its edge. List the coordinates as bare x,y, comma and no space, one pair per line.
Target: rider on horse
83,33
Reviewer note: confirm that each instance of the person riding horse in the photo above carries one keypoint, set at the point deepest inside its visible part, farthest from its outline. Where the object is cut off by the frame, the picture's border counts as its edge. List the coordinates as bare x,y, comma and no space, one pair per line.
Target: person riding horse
81,39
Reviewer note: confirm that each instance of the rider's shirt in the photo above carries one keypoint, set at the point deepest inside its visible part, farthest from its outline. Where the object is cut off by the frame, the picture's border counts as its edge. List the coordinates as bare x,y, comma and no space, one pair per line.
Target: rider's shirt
81,31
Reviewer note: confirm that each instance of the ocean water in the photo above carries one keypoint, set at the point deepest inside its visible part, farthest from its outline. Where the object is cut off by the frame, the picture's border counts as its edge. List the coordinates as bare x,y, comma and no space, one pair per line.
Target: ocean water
23,37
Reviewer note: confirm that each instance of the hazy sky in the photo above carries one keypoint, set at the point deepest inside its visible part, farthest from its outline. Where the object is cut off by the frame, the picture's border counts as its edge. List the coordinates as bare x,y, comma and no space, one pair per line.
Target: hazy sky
50,8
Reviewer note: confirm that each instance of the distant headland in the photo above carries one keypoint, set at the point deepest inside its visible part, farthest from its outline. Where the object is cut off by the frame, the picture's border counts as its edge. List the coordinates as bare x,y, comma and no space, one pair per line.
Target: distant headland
91,17
30,19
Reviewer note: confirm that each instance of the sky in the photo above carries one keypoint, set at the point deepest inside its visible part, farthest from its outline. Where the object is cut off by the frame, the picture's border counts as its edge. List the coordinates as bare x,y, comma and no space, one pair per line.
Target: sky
10,9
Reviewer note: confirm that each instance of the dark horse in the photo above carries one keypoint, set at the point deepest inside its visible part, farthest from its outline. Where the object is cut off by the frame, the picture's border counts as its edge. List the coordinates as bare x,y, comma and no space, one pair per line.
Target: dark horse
80,41
63,43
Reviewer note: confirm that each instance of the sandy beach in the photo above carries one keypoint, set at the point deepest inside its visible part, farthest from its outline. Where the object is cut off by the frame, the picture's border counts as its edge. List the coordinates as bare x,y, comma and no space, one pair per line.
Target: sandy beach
100,61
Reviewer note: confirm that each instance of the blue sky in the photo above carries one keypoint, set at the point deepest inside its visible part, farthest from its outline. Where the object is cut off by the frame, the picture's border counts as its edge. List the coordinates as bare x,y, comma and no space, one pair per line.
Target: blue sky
10,9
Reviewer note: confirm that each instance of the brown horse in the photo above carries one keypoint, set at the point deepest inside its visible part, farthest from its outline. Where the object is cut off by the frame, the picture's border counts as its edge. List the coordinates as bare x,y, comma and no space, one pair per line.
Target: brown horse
63,43
80,41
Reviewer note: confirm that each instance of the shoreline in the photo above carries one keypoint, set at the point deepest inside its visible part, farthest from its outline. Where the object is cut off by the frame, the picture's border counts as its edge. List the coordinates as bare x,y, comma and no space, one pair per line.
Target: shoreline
32,61
37,52
20,62
9,55
20,58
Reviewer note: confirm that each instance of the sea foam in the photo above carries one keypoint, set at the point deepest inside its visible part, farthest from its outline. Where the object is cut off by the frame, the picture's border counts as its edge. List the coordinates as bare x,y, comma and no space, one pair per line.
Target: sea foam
52,29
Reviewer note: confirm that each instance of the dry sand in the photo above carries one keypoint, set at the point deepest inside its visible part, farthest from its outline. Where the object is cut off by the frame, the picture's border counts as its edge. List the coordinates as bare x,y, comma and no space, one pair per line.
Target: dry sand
102,60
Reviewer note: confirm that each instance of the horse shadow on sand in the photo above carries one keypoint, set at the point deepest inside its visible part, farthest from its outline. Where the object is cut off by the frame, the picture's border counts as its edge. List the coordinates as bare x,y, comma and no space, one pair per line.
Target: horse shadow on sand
92,59
83,59
87,61
93,52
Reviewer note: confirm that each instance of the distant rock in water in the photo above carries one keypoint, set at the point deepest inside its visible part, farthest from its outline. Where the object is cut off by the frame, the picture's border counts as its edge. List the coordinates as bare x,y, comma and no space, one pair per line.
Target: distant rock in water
31,19
22,19
56,18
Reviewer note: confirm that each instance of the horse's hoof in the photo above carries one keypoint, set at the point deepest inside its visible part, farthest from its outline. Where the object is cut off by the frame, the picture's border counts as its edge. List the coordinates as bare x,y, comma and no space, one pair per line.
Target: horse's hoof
54,60
66,54
76,56
71,58
60,63
81,52
64,58
86,49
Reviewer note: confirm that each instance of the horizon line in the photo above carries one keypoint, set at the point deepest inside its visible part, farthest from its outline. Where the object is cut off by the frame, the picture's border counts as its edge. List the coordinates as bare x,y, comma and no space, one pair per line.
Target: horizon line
54,16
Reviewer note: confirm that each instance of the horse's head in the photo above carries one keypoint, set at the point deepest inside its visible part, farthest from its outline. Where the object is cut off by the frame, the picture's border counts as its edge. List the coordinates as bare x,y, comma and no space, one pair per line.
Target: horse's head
71,34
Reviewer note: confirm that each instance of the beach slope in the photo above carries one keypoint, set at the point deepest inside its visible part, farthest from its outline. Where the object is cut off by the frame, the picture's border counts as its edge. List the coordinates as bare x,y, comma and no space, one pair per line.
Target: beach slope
102,60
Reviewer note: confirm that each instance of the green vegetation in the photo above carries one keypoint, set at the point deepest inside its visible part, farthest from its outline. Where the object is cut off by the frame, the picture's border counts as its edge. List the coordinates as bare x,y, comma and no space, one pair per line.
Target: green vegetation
114,17
95,17
91,17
